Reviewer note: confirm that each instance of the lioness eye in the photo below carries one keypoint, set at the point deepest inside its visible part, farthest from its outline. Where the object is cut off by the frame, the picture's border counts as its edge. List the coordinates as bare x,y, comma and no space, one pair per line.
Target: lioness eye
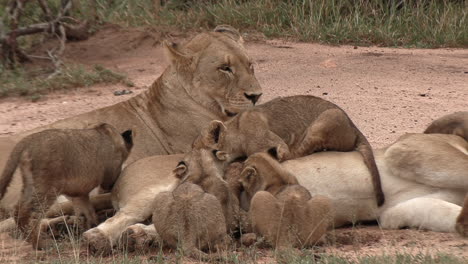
225,68
251,67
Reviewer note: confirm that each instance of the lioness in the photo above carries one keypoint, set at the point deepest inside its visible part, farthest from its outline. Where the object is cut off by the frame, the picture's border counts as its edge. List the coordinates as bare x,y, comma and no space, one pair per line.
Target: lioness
431,203
64,161
293,127
209,77
191,219
455,123
281,210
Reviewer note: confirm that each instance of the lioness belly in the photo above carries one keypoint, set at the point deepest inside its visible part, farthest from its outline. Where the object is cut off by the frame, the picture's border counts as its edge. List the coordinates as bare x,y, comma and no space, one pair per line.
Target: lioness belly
143,179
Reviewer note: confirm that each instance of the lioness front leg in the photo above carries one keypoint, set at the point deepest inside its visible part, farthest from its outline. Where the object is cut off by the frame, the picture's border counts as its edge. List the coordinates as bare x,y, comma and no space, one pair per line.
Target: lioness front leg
462,219
102,238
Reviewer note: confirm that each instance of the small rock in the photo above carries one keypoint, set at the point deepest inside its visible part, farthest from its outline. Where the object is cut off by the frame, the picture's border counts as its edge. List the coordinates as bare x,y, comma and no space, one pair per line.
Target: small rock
324,93
423,94
122,92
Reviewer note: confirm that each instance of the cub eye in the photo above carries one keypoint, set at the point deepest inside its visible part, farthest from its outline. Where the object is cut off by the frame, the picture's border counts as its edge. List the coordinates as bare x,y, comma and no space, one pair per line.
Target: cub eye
225,68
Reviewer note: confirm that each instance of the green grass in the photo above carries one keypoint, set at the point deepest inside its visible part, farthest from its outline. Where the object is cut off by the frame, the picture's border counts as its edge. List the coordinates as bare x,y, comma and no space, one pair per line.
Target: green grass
20,82
436,23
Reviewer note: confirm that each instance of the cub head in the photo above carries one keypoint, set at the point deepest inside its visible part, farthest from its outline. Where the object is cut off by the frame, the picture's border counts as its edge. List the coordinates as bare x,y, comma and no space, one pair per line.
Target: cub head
122,145
242,136
200,165
261,172
216,71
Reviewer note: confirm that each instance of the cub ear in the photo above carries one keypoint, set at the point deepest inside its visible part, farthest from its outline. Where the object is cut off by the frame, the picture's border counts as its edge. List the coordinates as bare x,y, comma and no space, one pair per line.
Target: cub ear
180,170
247,175
280,152
128,137
230,32
174,55
213,134
220,155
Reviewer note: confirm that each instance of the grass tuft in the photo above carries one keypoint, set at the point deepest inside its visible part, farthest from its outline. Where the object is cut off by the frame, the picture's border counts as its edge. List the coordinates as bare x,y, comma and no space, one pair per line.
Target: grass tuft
427,24
20,82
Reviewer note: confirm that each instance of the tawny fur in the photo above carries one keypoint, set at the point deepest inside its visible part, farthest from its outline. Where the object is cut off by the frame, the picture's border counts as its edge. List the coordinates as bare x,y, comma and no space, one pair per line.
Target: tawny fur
455,123
281,210
195,88
190,219
462,220
293,127
204,168
64,161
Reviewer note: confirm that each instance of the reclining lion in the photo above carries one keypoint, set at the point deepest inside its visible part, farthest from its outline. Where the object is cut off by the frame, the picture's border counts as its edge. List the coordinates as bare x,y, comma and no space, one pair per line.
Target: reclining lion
210,77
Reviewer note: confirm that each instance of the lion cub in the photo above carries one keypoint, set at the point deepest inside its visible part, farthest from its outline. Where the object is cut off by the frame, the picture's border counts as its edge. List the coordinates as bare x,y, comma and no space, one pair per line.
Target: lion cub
462,220
71,162
190,218
281,210
455,123
291,127
205,168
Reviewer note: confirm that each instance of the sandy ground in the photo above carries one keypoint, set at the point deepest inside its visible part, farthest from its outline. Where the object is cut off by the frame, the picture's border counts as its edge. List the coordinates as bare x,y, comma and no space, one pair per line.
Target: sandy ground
386,91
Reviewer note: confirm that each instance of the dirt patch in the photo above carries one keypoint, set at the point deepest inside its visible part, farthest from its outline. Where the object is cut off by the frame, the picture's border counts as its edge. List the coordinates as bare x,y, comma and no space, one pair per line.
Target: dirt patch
386,91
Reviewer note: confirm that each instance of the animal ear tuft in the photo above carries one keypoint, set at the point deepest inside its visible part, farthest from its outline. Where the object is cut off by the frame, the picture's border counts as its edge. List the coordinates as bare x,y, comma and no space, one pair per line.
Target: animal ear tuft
220,155
180,170
280,153
174,55
231,32
214,132
249,173
128,137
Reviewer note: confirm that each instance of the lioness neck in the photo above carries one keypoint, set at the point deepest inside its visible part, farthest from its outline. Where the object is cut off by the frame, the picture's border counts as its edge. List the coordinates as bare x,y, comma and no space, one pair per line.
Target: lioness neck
178,117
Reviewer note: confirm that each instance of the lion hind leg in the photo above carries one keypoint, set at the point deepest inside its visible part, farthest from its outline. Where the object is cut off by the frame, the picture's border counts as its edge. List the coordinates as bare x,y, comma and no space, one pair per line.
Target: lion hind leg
319,216
332,130
462,219
430,160
266,216
422,213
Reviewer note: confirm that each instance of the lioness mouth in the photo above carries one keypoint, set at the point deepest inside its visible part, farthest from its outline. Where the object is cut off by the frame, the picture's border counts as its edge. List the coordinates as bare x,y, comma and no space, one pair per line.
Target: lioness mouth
230,114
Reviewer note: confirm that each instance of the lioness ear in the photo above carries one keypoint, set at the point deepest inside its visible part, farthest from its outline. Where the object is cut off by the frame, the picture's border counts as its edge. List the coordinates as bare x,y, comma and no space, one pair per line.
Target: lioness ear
180,170
174,55
230,32
214,133
220,155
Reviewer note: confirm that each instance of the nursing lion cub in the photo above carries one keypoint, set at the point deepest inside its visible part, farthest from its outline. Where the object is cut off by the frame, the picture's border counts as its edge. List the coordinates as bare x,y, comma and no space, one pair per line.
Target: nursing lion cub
281,210
292,127
191,219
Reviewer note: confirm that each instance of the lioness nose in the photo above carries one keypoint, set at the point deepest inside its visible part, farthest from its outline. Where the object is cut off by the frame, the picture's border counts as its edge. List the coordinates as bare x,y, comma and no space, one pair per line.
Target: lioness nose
253,97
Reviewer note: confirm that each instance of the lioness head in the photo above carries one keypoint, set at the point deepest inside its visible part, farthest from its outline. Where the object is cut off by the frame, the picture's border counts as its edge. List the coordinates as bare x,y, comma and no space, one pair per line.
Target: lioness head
244,135
216,71
262,172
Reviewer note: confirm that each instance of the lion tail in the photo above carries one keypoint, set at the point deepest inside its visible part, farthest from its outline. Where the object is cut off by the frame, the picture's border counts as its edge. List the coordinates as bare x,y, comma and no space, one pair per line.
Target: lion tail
363,147
10,168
